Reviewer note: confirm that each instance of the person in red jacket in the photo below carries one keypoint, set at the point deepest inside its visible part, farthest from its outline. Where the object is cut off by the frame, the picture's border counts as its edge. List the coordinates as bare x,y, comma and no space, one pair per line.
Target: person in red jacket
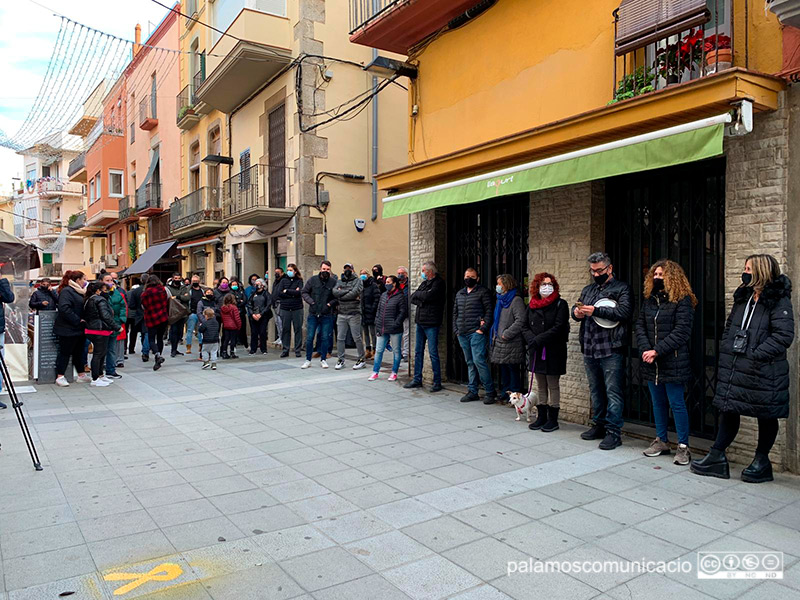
231,324
155,305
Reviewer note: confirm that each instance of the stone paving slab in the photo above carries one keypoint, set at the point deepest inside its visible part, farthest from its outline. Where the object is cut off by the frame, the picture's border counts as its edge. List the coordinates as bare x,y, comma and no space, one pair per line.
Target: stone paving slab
261,480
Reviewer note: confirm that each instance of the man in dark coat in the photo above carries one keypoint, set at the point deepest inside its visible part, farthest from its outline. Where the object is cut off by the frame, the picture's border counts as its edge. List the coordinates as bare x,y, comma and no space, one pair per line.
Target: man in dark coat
472,321
136,312
429,300
318,294
603,348
44,298
370,296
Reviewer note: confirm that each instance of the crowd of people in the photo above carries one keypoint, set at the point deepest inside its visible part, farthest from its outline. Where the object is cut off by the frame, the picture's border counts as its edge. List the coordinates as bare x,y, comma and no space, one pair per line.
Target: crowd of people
373,310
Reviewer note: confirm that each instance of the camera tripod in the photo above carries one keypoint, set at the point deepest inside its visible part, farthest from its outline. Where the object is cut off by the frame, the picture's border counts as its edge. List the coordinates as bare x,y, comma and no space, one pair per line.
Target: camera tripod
17,405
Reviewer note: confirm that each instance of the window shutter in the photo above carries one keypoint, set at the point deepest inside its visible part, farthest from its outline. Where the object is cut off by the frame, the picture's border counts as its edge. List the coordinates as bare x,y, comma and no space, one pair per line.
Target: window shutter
642,22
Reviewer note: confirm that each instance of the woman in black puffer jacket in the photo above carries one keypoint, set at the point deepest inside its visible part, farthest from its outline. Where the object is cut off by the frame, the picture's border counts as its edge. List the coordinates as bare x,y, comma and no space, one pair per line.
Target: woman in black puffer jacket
101,329
753,373
662,335
392,311
370,296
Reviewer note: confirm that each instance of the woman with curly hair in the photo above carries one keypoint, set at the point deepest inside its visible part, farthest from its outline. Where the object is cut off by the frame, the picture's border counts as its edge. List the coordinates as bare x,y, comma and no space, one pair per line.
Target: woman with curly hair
753,374
662,334
546,337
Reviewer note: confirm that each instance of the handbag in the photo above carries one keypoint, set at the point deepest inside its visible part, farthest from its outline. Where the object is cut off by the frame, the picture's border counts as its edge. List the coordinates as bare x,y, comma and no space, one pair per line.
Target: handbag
177,310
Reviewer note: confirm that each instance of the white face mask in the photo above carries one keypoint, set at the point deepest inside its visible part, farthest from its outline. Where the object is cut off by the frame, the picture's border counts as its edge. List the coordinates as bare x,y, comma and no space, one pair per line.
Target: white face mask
545,290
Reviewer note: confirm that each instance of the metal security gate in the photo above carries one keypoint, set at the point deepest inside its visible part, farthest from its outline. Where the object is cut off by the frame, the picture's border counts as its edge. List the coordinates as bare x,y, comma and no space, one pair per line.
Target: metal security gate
676,213
492,237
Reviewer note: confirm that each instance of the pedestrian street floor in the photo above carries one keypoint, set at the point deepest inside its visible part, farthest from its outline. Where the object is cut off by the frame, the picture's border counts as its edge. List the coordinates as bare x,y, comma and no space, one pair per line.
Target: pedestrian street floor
261,481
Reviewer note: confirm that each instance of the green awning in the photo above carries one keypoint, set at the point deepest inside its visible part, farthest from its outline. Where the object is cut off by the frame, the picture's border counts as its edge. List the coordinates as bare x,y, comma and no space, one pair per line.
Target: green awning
665,148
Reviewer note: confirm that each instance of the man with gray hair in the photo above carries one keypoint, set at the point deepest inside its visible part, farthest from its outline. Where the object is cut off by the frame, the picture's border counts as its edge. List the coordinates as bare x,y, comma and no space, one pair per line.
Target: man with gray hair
603,310
429,300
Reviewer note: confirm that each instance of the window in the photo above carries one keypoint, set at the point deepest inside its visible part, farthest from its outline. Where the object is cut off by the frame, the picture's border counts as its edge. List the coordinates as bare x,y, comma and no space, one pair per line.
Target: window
98,183
244,168
153,91
133,125
92,196
30,173
115,186
46,171
113,242
31,214
641,22
277,157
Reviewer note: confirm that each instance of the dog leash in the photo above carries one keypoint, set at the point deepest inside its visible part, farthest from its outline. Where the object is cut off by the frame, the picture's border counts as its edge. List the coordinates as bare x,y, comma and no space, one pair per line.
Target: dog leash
533,368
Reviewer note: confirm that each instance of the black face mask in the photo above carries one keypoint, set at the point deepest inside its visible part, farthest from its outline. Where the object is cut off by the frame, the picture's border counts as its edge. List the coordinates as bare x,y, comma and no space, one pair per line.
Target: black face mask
658,285
470,282
175,283
210,298
347,274
747,278
196,285
601,279
325,275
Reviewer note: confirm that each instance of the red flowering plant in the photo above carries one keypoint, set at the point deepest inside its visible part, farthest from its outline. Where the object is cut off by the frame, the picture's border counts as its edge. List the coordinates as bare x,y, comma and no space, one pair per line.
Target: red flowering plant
714,42
673,59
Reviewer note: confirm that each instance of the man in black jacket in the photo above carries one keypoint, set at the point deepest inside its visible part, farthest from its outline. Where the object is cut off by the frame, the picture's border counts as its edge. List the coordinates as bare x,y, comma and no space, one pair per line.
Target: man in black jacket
318,294
603,348
472,321
429,300
44,298
136,312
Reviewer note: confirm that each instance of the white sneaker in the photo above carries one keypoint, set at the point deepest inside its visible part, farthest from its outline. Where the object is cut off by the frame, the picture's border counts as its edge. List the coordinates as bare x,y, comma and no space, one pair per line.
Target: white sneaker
108,380
84,378
359,365
340,365
323,364
306,364
99,382
62,381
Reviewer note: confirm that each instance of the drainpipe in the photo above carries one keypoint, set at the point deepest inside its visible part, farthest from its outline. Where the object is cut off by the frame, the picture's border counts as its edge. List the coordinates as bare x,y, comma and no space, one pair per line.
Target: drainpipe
374,135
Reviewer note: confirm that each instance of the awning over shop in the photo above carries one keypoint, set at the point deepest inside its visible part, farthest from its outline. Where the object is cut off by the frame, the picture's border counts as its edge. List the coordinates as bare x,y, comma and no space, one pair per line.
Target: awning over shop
201,242
152,255
690,142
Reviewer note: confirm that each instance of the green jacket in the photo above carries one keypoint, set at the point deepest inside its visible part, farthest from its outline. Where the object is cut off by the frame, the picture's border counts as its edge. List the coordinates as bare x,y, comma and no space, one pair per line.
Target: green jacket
118,306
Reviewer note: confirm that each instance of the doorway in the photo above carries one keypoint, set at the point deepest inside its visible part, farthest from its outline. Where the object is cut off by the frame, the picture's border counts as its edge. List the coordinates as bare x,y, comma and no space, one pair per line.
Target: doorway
676,213
492,237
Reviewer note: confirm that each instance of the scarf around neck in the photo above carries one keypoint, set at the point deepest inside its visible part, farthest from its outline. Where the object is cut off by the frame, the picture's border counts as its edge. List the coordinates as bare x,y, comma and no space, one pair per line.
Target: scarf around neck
503,301
76,287
542,302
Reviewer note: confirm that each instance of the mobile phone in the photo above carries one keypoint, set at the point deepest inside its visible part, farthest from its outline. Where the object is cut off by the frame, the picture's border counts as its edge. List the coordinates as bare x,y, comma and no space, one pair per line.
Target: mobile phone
579,304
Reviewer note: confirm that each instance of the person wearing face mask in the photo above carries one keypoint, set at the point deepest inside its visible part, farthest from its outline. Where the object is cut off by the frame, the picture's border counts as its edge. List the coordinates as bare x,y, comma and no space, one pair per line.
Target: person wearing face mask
221,290
392,311
259,312
207,301
370,296
380,279
663,330
348,293
137,312
288,294
276,312
603,348
402,283
753,376
251,286
318,294
44,298
101,328
472,321
241,303
120,310
429,300
181,295
506,338
546,337
194,292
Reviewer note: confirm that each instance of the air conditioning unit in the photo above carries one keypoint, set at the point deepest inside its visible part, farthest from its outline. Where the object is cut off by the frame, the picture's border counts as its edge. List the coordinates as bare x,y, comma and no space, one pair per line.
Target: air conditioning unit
111,260
97,267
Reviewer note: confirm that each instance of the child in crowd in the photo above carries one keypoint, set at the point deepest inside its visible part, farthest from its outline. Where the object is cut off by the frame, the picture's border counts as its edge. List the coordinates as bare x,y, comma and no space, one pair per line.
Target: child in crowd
210,332
231,324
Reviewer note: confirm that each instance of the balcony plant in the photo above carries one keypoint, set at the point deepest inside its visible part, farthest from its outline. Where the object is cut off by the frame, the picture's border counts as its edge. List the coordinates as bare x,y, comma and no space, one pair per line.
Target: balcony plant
634,84
71,220
719,54
674,59
188,109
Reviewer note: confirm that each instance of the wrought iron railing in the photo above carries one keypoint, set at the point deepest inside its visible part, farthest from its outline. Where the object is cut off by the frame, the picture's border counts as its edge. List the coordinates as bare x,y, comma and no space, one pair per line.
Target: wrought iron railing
198,79
147,109
148,196
203,204
127,208
362,12
185,103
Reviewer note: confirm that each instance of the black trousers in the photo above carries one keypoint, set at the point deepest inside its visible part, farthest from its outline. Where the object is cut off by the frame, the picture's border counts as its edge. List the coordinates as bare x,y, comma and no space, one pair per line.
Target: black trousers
243,330
292,319
258,333
156,335
229,338
729,427
99,351
134,331
176,334
70,346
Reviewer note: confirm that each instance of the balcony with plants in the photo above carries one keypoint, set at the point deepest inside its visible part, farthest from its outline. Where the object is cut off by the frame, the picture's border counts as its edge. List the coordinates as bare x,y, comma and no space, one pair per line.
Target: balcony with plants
187,117
198,212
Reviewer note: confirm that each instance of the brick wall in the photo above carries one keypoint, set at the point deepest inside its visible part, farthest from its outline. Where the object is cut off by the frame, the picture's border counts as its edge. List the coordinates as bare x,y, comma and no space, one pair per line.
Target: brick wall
566,225
756,204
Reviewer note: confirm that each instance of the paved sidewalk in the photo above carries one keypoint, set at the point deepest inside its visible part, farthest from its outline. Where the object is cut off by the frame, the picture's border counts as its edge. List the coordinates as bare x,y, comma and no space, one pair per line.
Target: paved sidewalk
263,481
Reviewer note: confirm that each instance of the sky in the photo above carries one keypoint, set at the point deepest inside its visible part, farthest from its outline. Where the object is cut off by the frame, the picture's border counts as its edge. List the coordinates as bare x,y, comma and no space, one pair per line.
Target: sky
29,33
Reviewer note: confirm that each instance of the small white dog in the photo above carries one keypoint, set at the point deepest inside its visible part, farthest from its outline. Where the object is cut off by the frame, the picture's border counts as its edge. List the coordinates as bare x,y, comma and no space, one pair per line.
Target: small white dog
523,403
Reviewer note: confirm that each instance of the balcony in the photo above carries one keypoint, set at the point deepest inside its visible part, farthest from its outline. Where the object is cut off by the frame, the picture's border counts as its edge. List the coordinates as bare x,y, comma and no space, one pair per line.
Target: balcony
397,25
200,107
197,213
246,65
148,115
247,199
77,169
55,189
159,228
77,225
186,115
127,210
50,229
148,200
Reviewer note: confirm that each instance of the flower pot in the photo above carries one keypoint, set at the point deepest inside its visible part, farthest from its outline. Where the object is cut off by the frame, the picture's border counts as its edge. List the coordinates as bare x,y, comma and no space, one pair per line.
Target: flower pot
719,60
787,11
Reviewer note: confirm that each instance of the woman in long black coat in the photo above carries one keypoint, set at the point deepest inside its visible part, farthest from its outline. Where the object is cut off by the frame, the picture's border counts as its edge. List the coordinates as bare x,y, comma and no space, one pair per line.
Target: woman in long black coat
753,373
546,337
662,336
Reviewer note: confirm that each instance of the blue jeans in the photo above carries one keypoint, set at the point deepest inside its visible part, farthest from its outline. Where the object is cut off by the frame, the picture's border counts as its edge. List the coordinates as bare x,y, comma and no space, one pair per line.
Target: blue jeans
111,356
323,324
475,346
666,396
145,340
191,324
431,335
397,352
509,379
606,379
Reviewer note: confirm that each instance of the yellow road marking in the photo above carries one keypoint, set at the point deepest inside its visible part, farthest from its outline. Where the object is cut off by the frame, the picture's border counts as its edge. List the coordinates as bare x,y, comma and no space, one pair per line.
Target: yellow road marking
163,572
